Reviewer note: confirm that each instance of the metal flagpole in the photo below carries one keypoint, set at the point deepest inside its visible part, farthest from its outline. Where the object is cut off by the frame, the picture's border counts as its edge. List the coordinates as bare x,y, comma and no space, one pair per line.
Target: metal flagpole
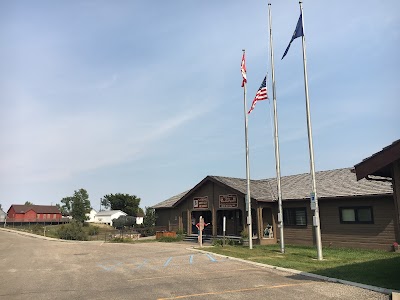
316,222
249,222
277,156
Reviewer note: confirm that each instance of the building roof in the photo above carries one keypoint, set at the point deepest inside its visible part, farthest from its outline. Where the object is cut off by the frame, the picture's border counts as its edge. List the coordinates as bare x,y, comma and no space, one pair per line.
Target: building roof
379,164
109,213
39,209
170,201
330,184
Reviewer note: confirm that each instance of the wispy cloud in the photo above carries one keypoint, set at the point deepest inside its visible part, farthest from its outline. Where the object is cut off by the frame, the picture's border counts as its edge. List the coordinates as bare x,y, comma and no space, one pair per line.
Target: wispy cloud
47,148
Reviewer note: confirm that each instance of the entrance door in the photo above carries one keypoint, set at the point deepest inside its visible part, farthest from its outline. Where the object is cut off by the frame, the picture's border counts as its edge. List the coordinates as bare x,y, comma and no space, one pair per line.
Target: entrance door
207,216
234,222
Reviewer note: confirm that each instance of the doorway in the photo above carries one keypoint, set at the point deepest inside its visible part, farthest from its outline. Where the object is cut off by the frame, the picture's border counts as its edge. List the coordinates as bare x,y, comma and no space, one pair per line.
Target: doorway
234,222
195,218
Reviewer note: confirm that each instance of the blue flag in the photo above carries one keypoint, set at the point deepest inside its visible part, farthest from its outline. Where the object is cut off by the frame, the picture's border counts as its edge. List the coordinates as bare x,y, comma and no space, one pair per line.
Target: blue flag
298,32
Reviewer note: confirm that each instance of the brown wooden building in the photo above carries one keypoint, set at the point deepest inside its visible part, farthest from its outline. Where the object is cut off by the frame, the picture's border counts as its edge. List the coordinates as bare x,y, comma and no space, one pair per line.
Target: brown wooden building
352,213
385,166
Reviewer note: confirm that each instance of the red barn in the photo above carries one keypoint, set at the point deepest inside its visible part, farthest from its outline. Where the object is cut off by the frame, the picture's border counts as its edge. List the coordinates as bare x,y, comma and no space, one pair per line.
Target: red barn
33,213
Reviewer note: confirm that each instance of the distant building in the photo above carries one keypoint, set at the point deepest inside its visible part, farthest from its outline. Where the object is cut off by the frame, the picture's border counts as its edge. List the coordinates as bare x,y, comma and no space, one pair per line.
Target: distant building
91,216
33,213
139,218
3,216
106,216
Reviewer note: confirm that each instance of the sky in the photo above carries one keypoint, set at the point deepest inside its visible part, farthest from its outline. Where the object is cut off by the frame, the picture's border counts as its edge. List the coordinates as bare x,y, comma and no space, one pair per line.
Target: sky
145,97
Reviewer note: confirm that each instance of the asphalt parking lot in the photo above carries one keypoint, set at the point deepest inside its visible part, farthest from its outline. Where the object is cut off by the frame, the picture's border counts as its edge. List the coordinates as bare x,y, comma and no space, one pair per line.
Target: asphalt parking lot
36,268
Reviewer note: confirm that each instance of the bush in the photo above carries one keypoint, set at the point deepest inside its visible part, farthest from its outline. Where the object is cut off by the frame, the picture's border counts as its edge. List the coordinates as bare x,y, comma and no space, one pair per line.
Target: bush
72,231
37,229
228,241
120,240
168,239
93,230
217,242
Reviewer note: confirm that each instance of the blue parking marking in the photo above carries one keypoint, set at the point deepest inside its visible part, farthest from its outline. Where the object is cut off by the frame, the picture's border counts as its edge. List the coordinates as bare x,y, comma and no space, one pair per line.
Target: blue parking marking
167,262
110,268
142,264
139,264
211,258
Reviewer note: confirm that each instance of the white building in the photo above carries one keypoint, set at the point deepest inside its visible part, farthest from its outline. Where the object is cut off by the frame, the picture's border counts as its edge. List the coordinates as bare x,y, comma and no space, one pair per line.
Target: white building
106,216
3,216
91,215
139,218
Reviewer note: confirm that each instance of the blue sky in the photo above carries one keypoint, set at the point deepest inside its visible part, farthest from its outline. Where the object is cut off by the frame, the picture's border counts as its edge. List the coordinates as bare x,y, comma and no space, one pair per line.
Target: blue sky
144,97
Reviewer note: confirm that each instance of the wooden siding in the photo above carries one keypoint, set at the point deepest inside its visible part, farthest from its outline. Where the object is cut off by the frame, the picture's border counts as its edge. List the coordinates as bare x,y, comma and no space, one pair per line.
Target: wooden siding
379,235
298,235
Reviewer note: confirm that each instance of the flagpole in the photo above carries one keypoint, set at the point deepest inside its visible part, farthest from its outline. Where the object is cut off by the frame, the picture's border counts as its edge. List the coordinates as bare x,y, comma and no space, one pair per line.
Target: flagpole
249,221
316,222
276,139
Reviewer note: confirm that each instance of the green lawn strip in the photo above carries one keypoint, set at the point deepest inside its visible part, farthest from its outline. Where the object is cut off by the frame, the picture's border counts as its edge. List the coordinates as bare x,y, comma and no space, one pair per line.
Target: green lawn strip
373,267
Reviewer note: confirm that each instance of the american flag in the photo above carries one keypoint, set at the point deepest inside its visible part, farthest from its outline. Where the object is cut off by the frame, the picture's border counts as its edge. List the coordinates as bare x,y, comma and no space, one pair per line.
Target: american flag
243,70
260,95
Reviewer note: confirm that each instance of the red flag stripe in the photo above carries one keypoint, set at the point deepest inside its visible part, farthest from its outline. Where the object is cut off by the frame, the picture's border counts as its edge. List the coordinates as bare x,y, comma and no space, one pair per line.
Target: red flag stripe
243,70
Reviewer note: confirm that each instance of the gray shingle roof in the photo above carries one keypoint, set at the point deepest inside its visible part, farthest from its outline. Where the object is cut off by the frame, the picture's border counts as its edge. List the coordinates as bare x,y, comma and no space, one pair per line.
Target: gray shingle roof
170,201
330,184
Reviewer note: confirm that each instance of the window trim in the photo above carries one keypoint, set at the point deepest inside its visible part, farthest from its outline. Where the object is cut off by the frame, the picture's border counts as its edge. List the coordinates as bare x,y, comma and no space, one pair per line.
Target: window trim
356,208
285,209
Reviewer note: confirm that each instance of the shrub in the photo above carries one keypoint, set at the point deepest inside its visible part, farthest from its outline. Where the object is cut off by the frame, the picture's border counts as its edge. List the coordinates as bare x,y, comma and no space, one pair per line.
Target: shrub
93,230
72,231
120,240
168,239
217,242
37,229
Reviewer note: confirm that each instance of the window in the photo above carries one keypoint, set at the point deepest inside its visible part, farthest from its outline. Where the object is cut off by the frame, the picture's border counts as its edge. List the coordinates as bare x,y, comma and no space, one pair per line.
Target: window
356,215
295,216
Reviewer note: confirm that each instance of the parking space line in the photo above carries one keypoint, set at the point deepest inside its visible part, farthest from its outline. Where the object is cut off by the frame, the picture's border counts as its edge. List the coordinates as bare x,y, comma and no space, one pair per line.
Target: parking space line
167,262
237,291
211,258
109,268
142,264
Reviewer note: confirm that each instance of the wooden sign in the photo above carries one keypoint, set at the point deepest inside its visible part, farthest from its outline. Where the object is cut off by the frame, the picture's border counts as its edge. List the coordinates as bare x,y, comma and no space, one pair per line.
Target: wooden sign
228,201
200,202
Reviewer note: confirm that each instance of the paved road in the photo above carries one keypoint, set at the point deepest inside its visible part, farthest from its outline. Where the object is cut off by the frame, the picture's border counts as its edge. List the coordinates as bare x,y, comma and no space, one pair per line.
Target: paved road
34,268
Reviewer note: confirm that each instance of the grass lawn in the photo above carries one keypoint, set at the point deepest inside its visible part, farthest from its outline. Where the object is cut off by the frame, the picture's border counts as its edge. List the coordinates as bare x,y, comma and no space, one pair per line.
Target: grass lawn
373,267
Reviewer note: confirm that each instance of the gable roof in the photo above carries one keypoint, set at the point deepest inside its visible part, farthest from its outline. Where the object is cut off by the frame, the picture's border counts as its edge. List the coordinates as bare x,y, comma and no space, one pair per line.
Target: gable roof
109,213
39,209
170,201
330,184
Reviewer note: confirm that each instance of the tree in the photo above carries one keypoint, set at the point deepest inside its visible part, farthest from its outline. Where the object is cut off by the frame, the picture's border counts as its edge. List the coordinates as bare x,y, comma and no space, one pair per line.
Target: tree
1,207
125,202
28,203
77,206
124,221
62,209
149,220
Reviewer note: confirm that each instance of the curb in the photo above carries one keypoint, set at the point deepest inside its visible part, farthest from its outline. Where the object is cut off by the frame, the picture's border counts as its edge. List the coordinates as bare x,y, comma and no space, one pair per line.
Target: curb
316,276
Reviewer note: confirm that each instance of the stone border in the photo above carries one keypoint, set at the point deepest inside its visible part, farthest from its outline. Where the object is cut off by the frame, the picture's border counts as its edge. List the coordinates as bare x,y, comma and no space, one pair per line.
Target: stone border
316,276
